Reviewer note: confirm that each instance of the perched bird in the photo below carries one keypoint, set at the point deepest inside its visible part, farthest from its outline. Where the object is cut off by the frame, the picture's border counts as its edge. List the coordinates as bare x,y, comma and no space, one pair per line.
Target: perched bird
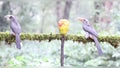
91,32
16,29
63,26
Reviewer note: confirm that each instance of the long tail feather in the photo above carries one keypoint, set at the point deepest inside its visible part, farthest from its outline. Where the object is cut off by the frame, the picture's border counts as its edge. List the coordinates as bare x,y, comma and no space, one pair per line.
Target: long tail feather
18,40
98,45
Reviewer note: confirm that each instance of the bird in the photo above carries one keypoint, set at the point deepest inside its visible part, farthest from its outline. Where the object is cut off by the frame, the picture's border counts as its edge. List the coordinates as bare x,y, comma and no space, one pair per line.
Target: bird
15,29
90,33
63,26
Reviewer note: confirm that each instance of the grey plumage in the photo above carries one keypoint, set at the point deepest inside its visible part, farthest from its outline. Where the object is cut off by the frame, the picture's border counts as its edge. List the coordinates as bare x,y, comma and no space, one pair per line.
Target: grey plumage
88,28
16,29
91,33
97,44
18,40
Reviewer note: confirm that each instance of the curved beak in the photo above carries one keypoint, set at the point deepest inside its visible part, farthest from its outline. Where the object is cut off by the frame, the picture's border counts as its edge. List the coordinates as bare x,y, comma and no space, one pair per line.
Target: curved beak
81,19
7,17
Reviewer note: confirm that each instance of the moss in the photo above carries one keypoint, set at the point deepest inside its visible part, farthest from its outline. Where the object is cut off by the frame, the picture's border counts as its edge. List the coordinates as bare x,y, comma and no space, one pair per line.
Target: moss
8,38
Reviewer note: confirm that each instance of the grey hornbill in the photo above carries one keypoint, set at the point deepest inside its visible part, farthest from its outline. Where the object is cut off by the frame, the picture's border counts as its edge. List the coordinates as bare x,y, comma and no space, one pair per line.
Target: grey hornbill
16,29
90,32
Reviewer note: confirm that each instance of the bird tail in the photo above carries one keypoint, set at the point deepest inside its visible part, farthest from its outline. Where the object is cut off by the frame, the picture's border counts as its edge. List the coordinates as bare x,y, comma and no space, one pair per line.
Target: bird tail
18,40
97,45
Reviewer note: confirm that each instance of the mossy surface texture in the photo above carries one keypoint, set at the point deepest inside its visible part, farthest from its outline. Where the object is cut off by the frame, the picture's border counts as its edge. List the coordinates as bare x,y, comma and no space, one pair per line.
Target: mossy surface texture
9,38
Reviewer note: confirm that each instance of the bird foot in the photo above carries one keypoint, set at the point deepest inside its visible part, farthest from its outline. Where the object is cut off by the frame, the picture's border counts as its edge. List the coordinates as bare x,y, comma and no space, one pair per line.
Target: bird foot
12,33
91,36
86,36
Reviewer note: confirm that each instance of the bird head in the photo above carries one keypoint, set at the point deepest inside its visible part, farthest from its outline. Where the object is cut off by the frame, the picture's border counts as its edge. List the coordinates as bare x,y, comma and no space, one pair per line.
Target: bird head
83,20
9,17
63,22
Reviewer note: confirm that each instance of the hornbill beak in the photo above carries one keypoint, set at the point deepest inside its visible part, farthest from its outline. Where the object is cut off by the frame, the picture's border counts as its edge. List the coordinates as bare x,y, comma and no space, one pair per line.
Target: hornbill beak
7,17
81,19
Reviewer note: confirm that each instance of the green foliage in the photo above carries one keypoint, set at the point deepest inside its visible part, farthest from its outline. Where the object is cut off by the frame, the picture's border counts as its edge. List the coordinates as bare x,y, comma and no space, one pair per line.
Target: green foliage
44,53
37,15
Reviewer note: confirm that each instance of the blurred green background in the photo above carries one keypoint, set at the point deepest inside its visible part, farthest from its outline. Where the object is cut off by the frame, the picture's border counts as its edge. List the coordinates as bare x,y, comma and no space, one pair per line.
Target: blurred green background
42,16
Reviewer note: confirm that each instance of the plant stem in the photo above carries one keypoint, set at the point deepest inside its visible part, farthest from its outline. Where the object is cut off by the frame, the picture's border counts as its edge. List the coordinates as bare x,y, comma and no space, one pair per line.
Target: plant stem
62,51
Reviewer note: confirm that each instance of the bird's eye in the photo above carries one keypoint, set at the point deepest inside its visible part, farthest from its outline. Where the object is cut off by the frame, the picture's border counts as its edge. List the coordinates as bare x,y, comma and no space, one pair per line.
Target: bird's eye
10,17
84,20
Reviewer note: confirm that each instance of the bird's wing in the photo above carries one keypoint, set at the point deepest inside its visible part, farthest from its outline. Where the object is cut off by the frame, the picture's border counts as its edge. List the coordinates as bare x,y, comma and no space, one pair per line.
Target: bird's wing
15,28
90,30
12,26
